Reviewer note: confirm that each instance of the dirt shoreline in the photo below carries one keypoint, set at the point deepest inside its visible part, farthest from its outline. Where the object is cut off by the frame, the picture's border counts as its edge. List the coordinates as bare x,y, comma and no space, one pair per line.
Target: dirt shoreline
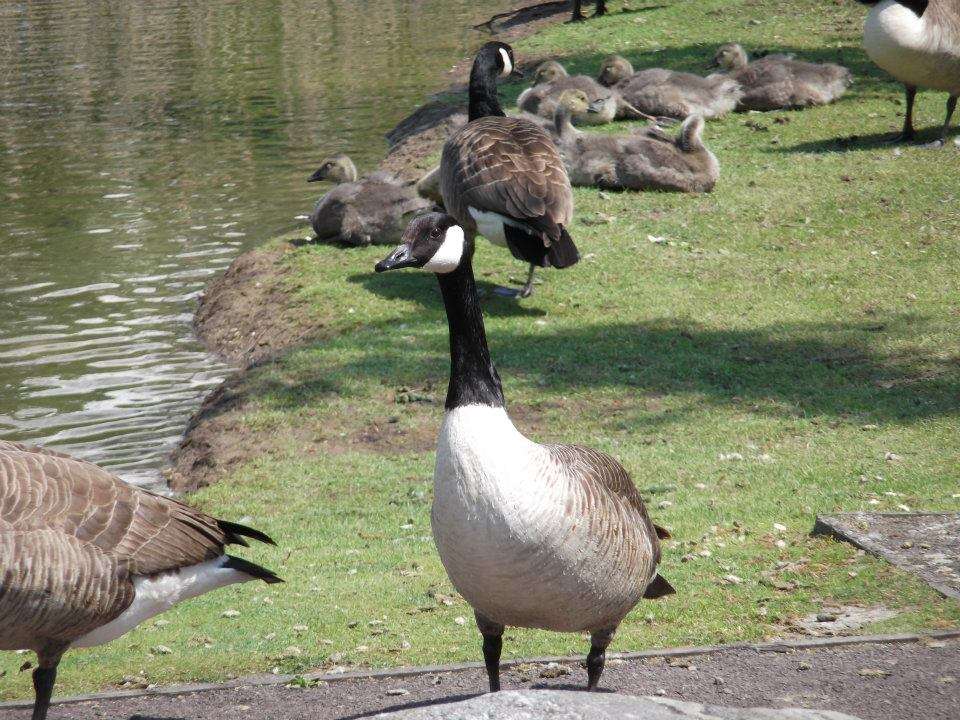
247,316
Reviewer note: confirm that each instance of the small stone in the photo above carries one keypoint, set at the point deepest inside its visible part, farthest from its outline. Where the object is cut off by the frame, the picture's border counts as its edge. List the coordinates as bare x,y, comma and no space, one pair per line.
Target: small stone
460,620
781,544
803,666
779,527
161,650
892,457
826,617
231,613
700,486
732,579
664,504
554,670
906,544
396,692
873,672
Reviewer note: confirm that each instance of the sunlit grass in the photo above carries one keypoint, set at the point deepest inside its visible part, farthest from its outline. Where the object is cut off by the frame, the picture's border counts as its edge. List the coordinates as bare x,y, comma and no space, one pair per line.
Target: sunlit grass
753,367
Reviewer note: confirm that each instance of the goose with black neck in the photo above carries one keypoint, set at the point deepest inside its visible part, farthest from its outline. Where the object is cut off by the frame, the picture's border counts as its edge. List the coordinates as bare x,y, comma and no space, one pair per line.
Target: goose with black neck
555,537
502,177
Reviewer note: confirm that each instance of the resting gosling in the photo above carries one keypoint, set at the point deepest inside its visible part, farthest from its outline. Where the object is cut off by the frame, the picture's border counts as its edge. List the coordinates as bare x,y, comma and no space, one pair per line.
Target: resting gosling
918,42
551,80
778,82
669,93
648,160
371,210
503,177
85,557
555,537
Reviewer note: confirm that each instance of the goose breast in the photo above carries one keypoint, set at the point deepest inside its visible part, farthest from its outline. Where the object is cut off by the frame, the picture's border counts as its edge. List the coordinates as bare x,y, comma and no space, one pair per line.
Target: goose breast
537,535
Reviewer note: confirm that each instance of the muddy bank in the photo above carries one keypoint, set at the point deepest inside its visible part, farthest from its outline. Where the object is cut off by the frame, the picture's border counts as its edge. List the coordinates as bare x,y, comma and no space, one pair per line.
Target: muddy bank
249,315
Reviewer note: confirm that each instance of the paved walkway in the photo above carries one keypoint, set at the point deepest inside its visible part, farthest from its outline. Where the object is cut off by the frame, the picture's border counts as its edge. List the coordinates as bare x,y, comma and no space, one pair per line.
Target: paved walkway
890,681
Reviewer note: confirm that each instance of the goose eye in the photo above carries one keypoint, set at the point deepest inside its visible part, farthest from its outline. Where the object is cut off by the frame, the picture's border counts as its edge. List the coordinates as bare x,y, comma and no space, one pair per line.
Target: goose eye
435,233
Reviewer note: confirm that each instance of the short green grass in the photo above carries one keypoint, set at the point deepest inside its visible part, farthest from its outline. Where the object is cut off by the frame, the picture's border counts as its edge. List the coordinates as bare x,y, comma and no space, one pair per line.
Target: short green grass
803,315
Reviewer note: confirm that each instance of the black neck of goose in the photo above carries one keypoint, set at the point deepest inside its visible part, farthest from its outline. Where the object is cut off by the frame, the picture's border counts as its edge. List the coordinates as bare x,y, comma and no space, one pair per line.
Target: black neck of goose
473,378
483,89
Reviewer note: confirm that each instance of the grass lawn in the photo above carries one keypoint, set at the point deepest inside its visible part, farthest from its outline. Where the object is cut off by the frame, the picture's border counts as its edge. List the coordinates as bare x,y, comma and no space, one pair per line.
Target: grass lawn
752,356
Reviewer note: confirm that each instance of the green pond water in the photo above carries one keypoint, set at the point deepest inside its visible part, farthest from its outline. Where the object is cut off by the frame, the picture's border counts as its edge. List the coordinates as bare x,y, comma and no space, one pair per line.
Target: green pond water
143,145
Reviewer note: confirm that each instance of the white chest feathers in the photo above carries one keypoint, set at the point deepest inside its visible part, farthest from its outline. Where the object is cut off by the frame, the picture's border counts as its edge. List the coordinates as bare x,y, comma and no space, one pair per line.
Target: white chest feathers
912,48
154,595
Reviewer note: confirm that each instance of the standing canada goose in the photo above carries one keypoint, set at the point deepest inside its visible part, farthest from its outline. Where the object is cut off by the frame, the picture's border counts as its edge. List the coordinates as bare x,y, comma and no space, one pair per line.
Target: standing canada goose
84,557
503,177
648,160
918,42
668,93
369,210
554,537
778,82
551,80
599,10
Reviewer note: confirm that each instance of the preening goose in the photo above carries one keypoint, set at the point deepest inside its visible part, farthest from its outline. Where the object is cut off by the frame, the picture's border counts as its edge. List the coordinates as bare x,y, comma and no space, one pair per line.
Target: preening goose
648,160
551,81
668,93
918,42
503,178
369,210
778,82
541,536
85,557
600,9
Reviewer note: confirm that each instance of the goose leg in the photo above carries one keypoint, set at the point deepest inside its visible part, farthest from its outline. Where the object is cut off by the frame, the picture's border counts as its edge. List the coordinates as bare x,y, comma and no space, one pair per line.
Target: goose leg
599,641
527,289
951,106
578,15
908,132
492,645
44,677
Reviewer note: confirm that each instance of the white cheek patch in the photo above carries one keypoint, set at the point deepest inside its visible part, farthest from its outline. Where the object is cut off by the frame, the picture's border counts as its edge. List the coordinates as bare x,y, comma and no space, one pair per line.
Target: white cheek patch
507,65
447,257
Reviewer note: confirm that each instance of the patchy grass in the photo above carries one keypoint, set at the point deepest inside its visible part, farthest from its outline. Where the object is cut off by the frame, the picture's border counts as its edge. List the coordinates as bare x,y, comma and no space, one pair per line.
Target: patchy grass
755,367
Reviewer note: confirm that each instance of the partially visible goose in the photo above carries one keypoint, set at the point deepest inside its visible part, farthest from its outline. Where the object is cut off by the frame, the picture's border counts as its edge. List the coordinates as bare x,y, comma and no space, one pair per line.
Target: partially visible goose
369,210
555,537
918,42
551,81
503,178
648,160
85,557
669,93
778,82
600,9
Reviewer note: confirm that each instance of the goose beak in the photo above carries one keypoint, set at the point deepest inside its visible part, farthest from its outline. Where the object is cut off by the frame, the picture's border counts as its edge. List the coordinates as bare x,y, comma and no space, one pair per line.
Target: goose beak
516,74
316,177
399,258
596,106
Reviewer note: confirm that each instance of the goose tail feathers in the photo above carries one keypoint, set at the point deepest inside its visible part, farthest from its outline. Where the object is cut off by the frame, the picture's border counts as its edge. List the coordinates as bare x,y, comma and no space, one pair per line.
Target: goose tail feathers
257,572
235,534
658,587
563,253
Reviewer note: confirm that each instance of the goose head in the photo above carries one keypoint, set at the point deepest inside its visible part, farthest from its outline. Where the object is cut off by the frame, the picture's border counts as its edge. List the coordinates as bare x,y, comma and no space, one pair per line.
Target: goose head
337,168
496,58
730,57
575,102
548,71
432,242
614,69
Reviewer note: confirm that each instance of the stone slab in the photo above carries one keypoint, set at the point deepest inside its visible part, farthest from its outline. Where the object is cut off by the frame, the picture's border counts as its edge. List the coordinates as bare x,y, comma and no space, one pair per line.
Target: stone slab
572,705
925,544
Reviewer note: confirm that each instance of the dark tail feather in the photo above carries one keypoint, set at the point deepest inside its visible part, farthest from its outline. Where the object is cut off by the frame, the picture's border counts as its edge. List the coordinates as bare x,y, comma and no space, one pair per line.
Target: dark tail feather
235,533
662,533
563,253
658,587
252,569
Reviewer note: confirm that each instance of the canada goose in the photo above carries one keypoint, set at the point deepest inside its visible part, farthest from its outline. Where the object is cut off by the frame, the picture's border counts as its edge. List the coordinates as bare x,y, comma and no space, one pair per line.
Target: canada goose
778,82
669,93
361,211
541,536
649,160
85,557
503,177
599,10
918,42
551,80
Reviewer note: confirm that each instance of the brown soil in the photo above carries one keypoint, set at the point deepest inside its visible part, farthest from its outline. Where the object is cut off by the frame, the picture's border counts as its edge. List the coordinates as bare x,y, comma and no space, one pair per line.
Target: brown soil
870,681
248,315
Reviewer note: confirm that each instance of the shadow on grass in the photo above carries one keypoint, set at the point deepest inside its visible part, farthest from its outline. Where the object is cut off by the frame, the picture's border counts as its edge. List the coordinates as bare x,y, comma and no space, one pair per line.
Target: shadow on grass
856,143
413,705
831,370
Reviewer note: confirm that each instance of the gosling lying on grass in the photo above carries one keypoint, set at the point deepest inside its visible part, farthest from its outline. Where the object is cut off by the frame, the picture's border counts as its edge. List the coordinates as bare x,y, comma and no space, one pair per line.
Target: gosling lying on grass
647,160
551,81
372,210
778,82
670,93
